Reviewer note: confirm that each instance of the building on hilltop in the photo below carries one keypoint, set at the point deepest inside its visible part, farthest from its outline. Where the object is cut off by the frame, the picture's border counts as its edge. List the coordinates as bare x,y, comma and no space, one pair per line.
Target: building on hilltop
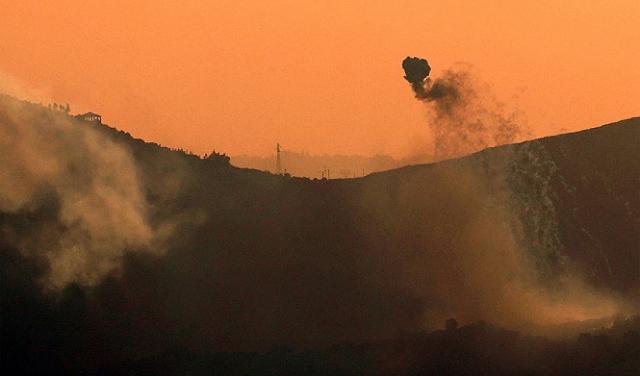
90,116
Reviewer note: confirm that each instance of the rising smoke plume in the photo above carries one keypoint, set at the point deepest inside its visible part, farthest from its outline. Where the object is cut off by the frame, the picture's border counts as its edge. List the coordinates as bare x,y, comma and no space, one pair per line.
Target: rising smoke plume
465,116
479,241
515,244
52,163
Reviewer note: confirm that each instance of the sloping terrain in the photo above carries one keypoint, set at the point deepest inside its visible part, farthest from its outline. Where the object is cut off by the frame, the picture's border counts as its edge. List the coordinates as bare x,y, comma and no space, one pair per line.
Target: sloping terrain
598,210
115,249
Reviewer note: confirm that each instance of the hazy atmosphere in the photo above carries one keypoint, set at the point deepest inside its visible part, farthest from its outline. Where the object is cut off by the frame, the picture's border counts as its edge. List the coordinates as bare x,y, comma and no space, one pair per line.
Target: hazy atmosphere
296,188
119,255
322,77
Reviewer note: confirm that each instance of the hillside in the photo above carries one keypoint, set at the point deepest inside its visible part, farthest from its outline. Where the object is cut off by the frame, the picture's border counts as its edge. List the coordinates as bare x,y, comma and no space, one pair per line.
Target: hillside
326,166
115,250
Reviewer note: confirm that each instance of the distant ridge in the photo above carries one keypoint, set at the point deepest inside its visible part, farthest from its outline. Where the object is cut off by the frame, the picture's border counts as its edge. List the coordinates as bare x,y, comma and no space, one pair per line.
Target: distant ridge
116,251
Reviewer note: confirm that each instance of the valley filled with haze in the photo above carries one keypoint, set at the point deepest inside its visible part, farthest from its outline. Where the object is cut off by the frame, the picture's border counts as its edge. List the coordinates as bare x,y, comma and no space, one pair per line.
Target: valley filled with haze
319,188
121,256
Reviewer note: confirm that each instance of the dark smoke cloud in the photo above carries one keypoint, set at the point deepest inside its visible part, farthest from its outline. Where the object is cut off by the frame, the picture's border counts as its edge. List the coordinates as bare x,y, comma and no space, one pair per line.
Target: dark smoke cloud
465,116
416,70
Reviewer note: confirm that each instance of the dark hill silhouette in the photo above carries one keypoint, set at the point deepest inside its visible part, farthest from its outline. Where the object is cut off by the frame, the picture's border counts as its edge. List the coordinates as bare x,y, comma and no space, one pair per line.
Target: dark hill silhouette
326,166
120,255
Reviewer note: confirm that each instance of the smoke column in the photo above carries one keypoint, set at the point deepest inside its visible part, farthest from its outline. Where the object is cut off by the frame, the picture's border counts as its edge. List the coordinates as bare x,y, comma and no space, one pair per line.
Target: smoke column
465,116
52,163
510,253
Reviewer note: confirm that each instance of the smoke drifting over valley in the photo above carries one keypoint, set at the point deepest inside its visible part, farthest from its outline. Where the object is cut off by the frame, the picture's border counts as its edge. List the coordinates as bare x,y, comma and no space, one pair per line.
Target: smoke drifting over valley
142,249
465,115
472,244
87,184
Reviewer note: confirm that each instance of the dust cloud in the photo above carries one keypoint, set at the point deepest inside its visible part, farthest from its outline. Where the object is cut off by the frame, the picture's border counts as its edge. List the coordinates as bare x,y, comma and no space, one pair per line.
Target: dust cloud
470,243
491,243
53,163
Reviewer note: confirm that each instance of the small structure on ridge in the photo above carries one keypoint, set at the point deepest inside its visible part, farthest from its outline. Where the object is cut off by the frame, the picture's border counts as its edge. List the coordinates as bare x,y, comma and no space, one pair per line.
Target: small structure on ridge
90,116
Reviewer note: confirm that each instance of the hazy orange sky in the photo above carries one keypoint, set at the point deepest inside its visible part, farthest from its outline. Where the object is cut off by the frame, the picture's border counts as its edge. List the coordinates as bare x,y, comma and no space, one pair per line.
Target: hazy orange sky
321,76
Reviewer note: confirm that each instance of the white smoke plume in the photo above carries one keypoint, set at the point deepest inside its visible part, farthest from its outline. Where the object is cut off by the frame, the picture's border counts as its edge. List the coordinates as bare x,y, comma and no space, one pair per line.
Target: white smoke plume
92,183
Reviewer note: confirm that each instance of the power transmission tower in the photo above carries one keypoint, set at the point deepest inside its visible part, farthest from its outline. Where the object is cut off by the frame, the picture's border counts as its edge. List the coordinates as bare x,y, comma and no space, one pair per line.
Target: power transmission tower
278,161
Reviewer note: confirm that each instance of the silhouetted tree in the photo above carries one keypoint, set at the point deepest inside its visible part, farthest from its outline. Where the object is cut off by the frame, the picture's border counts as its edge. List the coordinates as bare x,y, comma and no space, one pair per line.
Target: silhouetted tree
217,157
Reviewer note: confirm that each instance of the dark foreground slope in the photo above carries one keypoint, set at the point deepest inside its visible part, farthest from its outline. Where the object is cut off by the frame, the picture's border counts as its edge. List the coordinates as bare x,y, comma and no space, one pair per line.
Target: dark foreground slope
120,256
598,211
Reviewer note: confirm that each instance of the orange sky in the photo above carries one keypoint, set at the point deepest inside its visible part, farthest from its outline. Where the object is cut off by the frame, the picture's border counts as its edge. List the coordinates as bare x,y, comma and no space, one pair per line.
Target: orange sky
321,76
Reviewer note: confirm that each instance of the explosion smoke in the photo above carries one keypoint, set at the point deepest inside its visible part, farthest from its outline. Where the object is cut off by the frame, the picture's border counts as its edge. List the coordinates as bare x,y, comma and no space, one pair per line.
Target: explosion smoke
465,116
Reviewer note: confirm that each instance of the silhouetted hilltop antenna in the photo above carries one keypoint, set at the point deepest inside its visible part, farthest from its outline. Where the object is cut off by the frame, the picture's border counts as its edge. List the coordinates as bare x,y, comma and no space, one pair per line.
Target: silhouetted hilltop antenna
278,161
326,174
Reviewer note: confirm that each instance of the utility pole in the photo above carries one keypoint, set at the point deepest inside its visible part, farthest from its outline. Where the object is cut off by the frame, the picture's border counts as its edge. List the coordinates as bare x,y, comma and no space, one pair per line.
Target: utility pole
278,161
